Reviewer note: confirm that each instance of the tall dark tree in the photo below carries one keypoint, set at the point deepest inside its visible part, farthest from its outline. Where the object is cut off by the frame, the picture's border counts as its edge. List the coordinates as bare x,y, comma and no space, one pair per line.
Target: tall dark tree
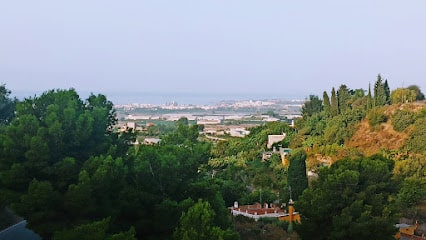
387,92
297,178
379,92
369,98
7,105
334,103
326,103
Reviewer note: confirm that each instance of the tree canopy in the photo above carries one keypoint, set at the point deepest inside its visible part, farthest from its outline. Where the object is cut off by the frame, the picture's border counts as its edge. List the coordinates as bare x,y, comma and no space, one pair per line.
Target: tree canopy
349,200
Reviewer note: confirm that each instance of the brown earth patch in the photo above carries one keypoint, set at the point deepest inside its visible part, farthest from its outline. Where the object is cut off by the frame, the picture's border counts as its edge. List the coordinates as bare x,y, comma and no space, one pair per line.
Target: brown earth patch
371,141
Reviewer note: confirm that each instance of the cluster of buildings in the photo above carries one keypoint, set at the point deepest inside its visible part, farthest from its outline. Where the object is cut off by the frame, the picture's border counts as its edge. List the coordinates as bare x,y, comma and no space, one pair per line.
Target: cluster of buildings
258,211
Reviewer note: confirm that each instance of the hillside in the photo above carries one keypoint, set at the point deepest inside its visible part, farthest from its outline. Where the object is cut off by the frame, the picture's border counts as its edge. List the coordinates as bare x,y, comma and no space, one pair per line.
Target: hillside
372,140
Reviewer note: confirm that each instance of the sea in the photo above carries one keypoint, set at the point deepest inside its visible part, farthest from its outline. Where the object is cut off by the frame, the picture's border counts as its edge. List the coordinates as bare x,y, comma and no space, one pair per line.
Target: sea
188,98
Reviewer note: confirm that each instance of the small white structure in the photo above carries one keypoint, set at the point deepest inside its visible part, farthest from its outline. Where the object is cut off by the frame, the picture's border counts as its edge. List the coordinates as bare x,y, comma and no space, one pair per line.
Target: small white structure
238,132
274,139
151,141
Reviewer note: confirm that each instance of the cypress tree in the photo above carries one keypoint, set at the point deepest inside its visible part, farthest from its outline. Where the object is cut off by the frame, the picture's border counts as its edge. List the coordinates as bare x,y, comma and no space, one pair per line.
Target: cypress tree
334,103
326,103
369,98
296,178
379,92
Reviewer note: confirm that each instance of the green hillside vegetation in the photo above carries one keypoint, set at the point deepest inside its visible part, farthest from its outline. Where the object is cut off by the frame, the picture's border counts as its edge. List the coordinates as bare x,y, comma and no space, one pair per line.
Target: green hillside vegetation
65,170
391,124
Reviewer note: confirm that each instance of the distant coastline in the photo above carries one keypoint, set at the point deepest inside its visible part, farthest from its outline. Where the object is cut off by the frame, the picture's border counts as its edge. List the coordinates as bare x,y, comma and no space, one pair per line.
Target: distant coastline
164,98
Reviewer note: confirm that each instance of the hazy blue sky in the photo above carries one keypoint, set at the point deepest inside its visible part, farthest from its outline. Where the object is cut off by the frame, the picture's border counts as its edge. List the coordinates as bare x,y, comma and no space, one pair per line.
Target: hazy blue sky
282,48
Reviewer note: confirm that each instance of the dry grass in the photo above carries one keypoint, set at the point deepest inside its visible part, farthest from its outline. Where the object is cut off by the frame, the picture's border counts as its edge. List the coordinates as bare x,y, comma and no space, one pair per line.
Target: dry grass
371,141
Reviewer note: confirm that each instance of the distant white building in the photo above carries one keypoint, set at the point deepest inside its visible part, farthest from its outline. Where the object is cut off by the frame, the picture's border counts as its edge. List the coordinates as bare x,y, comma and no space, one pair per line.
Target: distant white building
151,141
238,132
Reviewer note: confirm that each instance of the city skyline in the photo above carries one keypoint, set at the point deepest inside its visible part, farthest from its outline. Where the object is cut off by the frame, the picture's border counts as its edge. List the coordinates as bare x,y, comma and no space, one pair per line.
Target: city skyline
211,47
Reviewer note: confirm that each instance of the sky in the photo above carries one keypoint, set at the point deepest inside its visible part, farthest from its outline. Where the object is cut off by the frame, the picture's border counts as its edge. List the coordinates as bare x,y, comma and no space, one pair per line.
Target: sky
279,48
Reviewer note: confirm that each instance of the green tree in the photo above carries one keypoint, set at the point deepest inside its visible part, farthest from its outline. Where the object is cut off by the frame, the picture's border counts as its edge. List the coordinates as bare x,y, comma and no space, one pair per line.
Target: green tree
403,95
334,103
370,100
358,100
97,230
43,150
197,223
376,116
184,133
336,130
343,97
379,92
411,193
326,103
387,92
312,106
415,141
40,203
182,121
297,179
348,200
419,95
402,119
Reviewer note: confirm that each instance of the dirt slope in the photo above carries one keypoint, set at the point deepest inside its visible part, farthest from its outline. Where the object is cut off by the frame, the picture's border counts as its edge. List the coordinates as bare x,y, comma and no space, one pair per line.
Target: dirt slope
371,141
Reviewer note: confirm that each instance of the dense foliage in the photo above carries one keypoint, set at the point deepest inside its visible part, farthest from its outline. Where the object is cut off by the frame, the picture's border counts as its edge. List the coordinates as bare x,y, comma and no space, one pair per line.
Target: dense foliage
402,119
65,170
297,179
351,199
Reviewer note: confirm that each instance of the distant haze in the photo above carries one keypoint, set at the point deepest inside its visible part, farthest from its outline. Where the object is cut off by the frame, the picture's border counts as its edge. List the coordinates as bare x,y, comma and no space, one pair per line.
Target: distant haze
211,48
179,98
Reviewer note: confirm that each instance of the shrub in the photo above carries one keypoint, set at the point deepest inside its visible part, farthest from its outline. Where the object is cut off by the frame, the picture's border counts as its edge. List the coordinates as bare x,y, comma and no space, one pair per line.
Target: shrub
415,142
376,117
402,119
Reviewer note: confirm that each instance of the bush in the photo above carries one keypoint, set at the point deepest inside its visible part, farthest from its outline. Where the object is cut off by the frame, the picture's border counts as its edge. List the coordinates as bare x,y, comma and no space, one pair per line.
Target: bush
415,142
402,119
376,117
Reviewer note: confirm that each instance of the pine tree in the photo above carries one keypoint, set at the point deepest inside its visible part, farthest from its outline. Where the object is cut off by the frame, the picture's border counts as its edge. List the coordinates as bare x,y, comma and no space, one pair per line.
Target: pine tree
334,103
387,92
